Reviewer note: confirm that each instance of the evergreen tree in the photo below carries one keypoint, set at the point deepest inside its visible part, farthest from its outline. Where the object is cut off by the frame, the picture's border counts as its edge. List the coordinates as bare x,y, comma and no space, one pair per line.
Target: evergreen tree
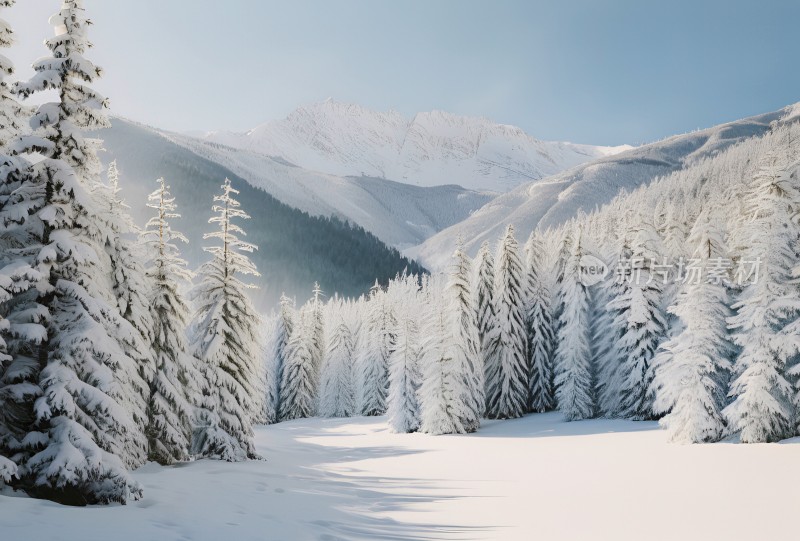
378,344
403,408
762,409
12,114
506,376
641,322
540,329
17,390
574,393
337,384
459,296
81,429
297,387
484,299
173,377
445,405
692,369
125,286
226,339
276,357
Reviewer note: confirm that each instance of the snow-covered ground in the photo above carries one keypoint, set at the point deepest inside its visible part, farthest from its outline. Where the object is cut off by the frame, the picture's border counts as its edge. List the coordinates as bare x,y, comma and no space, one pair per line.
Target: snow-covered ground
531,478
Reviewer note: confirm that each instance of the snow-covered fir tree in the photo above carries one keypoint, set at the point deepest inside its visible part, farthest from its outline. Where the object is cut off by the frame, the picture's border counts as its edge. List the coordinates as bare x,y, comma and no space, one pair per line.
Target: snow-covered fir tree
297,399
506,375
573,379
540,328
81,428
226,339
445,404
640,321
126,287
765,325
173,378
317,341
13,115
403,409
276,357
484,299
461,302
377,345
337,377
692,369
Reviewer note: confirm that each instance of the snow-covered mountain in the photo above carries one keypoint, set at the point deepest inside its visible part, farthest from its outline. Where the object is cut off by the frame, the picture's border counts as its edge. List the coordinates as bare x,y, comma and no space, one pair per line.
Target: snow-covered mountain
430,149
401,215
552,201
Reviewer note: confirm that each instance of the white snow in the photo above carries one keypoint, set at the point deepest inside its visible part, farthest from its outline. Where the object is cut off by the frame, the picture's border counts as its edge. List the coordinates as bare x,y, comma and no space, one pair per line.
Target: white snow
553,200
532,478
431,149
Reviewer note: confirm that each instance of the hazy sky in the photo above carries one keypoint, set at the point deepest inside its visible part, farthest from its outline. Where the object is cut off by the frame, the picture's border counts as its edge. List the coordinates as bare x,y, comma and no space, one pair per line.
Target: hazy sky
591,71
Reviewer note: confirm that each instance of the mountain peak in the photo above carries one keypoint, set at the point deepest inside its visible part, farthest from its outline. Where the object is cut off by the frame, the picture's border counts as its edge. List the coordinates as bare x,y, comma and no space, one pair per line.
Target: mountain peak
431,148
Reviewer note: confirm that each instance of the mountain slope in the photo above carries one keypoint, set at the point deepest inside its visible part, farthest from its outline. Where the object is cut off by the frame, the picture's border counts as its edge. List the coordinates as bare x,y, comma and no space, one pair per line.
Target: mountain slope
430,149
399,214
295,248
553,200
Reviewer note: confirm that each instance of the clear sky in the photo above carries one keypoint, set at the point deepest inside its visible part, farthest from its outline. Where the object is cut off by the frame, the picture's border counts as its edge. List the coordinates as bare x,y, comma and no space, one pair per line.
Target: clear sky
589,71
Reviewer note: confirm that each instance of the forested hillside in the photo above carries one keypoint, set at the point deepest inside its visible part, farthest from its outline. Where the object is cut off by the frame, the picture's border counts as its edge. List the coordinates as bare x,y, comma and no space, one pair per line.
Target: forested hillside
295,249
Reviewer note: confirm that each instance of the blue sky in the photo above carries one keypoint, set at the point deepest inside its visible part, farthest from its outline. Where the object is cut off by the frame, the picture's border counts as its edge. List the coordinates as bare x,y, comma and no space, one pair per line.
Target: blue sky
590,71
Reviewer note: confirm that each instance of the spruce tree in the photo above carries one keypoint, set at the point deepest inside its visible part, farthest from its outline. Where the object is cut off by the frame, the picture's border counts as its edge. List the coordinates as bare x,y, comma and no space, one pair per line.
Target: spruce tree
276,357
12,114
461,303
506,375
297,381
573,381
692,369
378,344
762,409
484,299
641,322
337,383
173,378
226,339
540,329
403,410
17,388
81,429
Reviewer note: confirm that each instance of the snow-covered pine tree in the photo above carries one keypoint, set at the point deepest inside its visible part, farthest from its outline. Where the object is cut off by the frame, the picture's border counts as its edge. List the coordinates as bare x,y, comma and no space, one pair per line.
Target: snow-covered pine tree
317,342
461,302
445,405
276,357
540,328
17,390
373,364
403,409
227,339
762,409
692,369
573,381
506,376
337,378
12,114
640,321
608,325
81,428
173,377
484,299
125,286
297,387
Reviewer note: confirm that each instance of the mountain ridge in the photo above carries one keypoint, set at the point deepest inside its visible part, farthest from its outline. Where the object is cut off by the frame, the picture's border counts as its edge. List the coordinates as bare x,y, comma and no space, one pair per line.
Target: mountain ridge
428,149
